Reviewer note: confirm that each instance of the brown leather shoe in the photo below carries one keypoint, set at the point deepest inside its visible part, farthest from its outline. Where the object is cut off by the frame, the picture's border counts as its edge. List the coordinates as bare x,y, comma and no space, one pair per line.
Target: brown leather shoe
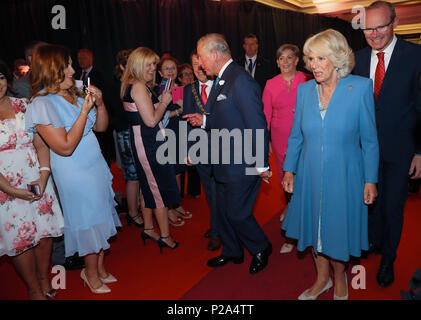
214,244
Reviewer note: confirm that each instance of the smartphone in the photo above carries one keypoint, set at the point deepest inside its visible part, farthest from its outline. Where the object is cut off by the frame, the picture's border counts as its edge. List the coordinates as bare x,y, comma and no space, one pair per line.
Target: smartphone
177,93
165,85
34,188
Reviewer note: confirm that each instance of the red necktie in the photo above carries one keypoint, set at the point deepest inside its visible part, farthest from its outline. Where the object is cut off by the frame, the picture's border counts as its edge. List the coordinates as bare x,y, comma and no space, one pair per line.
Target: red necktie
378,78
203,94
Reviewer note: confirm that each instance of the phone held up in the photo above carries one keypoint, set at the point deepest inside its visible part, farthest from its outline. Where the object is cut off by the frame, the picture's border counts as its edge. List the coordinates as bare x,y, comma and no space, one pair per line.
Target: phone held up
165,85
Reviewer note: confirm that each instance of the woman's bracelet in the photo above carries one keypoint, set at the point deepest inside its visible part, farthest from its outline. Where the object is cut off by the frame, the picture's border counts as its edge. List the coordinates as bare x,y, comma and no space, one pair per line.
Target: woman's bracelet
84,112
177,112
44,169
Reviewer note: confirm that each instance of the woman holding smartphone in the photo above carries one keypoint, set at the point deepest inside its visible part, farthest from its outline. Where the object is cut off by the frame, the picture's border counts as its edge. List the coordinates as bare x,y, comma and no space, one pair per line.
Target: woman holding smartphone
28,221
144,112
66,122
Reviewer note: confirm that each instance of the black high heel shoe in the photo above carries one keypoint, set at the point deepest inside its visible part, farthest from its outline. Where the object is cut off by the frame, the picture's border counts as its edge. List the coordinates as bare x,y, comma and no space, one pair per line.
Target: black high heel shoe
131,220
162,244
147,236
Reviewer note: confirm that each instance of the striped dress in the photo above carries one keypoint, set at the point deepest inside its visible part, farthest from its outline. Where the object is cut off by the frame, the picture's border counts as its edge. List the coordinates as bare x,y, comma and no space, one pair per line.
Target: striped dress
157,181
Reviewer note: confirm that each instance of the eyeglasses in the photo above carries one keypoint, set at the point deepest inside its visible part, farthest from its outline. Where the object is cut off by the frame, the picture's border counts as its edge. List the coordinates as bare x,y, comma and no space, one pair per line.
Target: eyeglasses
378,29
186,74
169,69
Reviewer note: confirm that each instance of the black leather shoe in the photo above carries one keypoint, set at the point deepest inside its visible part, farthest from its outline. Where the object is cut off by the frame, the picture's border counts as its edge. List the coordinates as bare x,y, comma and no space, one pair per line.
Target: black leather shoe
214,244
385,275
208,233
260,260
223,260
74,263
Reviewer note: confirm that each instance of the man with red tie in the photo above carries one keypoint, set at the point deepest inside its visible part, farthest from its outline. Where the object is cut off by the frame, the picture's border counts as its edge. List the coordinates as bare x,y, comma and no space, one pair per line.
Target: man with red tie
195,99
394,65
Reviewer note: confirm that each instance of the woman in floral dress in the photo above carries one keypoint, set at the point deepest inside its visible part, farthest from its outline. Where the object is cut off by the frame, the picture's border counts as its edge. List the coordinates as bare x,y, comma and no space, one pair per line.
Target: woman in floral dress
27,221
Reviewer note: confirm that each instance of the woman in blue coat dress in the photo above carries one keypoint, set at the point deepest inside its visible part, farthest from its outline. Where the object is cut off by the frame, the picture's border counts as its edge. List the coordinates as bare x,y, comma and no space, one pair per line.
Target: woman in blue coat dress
331,162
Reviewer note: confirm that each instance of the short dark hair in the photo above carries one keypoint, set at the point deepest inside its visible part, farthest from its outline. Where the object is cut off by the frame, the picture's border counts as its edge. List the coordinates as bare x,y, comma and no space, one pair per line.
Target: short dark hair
121,59
379,4
194,53
251,36
4,69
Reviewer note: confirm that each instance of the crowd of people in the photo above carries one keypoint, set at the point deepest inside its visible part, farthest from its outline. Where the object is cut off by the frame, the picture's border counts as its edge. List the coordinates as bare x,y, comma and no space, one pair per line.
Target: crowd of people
342,137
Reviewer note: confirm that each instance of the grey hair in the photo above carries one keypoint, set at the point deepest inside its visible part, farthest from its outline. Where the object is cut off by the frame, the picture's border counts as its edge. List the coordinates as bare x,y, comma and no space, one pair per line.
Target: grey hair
379,4
215,41
333,45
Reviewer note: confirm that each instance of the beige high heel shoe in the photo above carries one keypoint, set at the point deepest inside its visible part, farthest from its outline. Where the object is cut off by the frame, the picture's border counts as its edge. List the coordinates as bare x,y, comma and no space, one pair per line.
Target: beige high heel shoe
100,290
306,296
345,297
109,279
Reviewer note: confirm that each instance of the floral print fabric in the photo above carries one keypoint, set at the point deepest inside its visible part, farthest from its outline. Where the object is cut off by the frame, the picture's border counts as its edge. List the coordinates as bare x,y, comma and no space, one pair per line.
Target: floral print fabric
23,224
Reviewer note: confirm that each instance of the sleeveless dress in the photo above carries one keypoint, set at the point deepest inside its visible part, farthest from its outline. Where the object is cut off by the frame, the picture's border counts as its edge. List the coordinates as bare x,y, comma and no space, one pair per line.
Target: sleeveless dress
83,179
22,223
157,181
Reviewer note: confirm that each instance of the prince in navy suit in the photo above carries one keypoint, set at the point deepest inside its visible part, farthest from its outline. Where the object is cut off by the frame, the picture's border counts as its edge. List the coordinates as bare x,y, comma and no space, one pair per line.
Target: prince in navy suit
235,106
395,67
195,98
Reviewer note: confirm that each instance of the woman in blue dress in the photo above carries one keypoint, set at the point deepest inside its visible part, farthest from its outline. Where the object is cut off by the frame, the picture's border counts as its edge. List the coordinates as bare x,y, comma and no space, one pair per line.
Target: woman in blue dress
65,121
331,162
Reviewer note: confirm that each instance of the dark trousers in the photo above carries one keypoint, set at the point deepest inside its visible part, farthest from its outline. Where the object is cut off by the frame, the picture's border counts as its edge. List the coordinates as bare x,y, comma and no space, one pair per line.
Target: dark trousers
236,222
209,186
193,182
385,220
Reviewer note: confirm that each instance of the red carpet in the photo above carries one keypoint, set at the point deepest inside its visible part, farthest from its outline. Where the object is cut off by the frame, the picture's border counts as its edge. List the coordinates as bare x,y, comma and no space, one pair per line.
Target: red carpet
145,274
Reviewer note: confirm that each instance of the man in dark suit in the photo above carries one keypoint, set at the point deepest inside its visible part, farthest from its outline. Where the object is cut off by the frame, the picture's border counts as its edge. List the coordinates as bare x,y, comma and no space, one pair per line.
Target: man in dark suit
235,110
87,70
195,101
258,67
395,67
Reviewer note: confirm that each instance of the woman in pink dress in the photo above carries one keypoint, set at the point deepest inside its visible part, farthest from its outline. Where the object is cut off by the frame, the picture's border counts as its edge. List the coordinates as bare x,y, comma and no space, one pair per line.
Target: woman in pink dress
279,103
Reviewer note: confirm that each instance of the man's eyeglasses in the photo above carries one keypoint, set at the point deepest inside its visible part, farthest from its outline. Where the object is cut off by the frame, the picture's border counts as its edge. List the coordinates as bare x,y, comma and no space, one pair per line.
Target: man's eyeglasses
378,29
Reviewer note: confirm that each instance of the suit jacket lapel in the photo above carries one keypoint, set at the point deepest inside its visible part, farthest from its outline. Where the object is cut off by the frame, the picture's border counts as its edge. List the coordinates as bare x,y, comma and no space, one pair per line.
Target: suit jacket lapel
366,63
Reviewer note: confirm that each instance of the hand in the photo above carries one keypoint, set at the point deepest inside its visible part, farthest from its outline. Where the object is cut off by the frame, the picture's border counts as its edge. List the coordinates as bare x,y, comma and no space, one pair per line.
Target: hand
96,94
288,182
180,103
88,103
24,194
42,182
188,162
415,167
166,97
370,193
195,119
265,175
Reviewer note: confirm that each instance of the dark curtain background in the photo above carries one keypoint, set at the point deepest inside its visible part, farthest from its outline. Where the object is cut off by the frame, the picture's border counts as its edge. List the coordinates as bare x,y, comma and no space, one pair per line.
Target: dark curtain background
107,26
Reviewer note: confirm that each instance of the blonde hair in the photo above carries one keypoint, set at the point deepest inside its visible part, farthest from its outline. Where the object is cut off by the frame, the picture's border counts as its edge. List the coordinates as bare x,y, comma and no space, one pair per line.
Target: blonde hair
136,63
333,45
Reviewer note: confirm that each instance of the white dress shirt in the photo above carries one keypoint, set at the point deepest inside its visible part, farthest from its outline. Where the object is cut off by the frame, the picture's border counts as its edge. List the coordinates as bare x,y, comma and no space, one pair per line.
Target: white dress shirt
387,55
253,63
